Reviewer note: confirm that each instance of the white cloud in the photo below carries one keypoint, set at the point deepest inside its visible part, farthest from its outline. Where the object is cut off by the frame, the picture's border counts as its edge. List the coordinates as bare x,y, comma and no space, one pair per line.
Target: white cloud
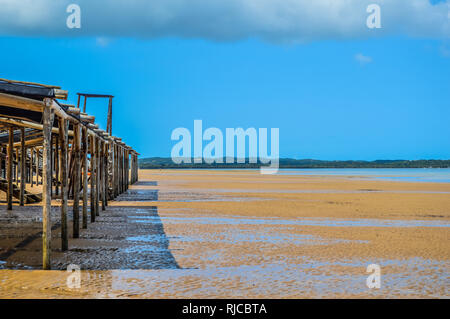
363,59
222,20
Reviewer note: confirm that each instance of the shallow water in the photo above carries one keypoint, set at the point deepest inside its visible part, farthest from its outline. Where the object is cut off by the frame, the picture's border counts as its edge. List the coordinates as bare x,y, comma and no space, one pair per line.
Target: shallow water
327,222
436,175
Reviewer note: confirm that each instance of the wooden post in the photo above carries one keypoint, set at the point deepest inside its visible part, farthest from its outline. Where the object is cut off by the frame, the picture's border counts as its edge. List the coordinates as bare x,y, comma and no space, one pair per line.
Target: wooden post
109,124
102,174
63,141
128,169
22,166
106,174
76,180
31,166
9,167
57,163
120,169
1,161
51,163
115,169
125,170
37,167
85,176
16,167
47,117
97,177
92,148
132,169
136,167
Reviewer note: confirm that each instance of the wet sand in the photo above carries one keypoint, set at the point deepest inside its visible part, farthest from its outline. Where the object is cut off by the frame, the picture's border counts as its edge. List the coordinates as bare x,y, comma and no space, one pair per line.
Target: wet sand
235,234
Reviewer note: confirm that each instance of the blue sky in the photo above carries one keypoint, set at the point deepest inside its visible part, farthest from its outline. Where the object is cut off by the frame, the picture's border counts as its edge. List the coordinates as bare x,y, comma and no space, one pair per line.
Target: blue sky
391,103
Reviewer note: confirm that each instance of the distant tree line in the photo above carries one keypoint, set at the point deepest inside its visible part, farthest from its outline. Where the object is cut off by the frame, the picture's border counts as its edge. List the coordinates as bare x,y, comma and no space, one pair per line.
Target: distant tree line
163,162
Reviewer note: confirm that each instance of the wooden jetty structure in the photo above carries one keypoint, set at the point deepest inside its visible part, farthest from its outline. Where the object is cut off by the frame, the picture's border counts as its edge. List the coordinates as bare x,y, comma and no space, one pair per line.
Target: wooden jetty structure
44,141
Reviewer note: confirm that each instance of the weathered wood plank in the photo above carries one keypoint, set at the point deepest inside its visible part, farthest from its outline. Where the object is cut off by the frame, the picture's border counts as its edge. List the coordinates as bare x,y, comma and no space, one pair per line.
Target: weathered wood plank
22,167
63,141
85,176
47,117
93,165
76,181
97,179
9,168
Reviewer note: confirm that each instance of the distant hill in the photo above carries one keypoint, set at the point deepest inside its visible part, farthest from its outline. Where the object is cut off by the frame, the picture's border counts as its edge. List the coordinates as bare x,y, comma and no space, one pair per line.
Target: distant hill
165,162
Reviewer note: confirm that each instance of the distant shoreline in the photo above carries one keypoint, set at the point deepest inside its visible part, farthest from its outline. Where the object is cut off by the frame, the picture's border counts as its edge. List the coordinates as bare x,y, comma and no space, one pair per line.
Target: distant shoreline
287,163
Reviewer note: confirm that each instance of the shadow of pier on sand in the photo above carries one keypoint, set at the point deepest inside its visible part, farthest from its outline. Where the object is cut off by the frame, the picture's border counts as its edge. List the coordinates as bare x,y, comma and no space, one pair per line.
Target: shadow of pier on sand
122,237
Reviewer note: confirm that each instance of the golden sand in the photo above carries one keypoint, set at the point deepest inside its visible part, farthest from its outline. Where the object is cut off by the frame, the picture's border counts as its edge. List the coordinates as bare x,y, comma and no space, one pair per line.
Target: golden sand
240,234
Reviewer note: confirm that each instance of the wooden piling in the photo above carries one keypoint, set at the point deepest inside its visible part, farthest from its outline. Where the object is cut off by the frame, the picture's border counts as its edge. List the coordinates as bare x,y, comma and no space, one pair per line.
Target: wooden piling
128,169
37,166
120,170
57,164
51,164
85,175
16,167
22,167
63,141
102,175
76,180
31,166
47,185
106,174
116,171
9,167
92,150
97,176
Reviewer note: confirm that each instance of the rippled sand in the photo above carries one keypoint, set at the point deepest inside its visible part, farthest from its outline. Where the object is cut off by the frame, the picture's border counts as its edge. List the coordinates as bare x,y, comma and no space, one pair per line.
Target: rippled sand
236,234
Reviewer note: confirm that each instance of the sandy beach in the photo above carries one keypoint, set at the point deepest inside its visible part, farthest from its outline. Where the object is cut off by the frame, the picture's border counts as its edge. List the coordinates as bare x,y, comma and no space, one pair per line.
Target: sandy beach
236,233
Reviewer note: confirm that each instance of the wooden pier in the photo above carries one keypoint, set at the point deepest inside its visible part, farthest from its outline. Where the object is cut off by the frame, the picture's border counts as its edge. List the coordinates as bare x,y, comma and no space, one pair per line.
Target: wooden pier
58,147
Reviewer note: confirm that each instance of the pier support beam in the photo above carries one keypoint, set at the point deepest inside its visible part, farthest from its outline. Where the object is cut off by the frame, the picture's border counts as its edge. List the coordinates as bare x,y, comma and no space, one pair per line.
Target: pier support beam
31,166
47,117
97,176
105,174
85,176
92,150
102,175
122,166
23,174
16,167
57,166
37,166
128,168
63,141
116,171
9,167
76,180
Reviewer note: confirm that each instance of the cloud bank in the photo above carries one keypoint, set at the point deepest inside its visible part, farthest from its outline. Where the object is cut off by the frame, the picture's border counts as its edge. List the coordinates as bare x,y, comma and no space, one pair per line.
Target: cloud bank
226,20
